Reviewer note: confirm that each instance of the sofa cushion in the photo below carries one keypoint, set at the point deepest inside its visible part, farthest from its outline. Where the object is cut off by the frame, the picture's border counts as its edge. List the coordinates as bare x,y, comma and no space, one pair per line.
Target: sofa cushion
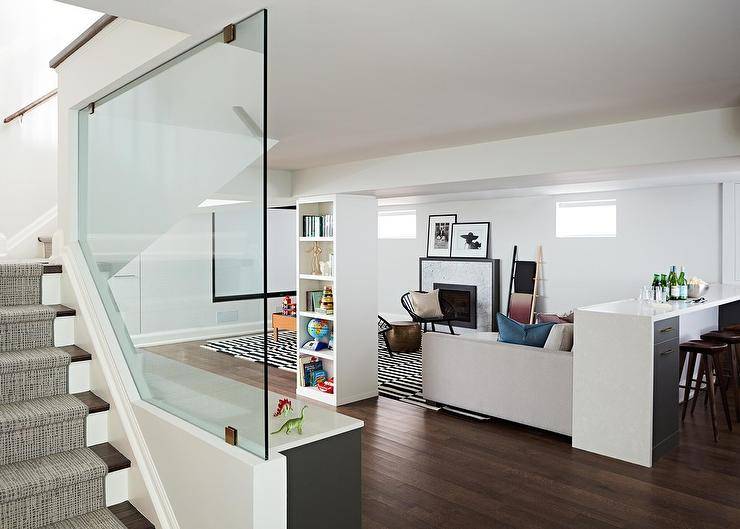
560,337
426,304
510,331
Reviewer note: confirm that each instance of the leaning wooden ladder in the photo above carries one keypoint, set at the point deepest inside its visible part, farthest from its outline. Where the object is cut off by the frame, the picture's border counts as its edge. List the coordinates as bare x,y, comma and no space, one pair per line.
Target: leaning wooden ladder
523,287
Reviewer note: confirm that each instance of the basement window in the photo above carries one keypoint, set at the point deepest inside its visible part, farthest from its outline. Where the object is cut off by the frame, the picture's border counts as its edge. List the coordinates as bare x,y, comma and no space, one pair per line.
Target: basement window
586,218
397,224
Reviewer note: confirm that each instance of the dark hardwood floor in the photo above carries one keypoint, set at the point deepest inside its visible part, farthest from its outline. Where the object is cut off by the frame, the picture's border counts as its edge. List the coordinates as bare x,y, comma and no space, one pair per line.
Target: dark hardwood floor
424,469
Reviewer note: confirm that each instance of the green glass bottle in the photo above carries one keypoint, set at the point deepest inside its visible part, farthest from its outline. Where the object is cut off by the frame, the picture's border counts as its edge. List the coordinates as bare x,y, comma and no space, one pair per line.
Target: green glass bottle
673,284
664,287
683,286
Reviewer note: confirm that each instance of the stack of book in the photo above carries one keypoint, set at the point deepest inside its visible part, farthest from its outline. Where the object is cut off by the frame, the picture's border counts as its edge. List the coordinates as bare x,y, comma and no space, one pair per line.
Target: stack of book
318,225
311,370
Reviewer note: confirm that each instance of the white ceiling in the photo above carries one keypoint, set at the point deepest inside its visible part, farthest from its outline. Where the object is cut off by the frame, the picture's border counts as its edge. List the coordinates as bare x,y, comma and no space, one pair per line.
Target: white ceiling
360,79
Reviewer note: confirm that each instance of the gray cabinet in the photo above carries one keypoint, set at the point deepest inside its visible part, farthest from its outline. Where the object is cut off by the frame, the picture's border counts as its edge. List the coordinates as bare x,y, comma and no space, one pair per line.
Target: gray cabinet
665,387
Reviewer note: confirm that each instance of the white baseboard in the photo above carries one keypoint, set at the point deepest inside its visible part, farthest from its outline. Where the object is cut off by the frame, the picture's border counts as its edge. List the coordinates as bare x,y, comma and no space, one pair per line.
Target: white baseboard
198,333
359,396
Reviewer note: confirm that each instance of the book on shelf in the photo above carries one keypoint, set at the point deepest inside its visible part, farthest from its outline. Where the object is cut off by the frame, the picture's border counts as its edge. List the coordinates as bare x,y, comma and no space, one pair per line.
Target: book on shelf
308,365
318,225
313,300
318,376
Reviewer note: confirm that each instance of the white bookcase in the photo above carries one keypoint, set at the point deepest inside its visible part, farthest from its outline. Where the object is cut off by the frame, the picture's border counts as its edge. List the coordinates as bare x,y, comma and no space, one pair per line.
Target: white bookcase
353,361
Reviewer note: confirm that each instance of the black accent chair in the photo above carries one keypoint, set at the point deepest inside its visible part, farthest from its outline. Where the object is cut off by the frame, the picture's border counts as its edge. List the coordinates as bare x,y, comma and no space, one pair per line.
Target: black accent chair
383,327
448,313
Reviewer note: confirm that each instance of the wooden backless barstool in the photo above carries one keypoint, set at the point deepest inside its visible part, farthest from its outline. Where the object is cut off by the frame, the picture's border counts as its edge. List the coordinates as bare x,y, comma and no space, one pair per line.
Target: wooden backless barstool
732,339
710,364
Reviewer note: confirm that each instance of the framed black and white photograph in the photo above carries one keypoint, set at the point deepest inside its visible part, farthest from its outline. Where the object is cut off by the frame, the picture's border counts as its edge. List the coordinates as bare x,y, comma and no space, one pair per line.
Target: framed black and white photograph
470,239
438,236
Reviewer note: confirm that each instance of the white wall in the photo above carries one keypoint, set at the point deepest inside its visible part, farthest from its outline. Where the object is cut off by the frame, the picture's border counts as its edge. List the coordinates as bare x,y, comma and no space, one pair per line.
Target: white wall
656,228
33,31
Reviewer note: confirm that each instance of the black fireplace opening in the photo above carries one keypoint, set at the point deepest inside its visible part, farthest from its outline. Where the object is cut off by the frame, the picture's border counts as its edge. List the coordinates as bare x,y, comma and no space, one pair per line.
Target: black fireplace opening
463,300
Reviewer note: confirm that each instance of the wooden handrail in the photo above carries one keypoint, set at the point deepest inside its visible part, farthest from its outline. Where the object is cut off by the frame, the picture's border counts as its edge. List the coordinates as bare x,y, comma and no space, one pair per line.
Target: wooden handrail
30,106
80,41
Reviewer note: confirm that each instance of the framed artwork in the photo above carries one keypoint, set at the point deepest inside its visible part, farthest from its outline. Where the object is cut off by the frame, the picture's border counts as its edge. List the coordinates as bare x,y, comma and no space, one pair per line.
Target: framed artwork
470,240
439,231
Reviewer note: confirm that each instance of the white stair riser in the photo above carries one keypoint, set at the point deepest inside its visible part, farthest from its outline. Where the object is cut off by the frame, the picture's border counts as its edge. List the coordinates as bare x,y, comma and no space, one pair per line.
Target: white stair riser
79,376
51,289
97,428
64,331
116,487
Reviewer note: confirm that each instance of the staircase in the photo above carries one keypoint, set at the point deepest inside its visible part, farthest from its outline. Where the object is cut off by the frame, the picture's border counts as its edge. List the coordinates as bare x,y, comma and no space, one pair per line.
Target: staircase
57,470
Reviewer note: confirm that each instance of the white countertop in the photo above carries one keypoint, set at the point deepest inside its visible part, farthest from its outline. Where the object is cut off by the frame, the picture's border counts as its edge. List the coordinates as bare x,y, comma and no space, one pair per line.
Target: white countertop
319,423
717,294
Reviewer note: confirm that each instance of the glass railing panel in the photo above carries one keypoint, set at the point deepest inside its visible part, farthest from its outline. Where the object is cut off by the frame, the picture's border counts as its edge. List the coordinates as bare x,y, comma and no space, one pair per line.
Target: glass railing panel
171,222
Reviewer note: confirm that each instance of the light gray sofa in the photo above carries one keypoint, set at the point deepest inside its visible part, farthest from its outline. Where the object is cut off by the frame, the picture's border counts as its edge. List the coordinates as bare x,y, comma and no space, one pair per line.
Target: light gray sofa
475,372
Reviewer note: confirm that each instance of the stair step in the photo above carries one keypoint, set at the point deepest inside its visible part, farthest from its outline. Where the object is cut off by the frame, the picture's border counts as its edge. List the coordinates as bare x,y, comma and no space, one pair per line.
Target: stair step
49,489
130,517
77,354
63,310
113,459
20,283
94,403
41,427
26,313
99,519
43,474
52,269
41,372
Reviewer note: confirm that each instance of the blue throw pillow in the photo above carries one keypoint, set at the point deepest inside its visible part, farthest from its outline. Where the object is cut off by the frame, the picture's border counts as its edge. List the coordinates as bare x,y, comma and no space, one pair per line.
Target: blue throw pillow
510,331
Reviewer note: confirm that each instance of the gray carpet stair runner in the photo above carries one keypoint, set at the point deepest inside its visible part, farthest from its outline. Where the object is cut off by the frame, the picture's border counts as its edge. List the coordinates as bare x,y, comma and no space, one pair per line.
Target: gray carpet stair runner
48,478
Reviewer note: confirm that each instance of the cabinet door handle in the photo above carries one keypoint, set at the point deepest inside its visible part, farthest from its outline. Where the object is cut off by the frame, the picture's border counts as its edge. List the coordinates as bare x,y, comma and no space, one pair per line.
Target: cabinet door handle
667,329
666,352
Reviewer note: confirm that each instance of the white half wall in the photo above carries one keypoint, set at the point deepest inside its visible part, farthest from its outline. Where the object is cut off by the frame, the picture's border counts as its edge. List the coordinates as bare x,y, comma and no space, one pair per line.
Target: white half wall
656,227
209,483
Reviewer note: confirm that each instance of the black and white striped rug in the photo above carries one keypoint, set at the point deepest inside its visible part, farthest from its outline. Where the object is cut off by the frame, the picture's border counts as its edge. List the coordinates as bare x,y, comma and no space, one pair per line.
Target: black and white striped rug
399,375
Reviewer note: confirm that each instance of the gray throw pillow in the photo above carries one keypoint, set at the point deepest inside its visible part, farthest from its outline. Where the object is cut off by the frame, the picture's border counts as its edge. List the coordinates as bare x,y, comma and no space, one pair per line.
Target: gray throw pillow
427,304
560,337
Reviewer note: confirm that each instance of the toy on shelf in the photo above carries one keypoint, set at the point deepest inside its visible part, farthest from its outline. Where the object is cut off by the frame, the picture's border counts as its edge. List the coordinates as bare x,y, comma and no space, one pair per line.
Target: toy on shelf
289,308
315,345
326,268
292,424
327,301
315,251
284,407
326,386
318,329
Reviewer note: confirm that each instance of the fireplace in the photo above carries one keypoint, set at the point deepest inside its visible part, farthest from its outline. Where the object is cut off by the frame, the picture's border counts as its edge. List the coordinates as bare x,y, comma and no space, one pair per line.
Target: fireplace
463,300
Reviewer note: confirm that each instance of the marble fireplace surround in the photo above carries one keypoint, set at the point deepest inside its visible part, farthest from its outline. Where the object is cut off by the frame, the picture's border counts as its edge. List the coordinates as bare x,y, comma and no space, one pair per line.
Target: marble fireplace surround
484,274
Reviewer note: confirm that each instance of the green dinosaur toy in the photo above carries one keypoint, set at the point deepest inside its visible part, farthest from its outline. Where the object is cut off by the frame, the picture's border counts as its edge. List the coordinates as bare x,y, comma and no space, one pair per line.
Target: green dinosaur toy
295,423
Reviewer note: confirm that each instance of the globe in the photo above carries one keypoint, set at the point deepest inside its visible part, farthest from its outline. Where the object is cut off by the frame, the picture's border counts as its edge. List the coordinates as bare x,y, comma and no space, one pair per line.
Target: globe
318,329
